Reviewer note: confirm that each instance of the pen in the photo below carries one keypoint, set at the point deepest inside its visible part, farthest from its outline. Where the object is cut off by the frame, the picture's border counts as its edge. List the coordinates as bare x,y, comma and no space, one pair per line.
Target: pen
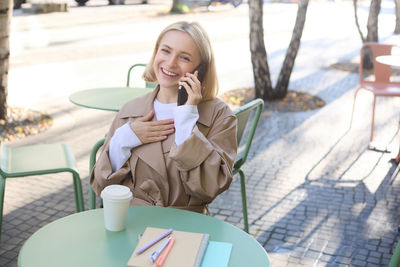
156,253
160,261
155,240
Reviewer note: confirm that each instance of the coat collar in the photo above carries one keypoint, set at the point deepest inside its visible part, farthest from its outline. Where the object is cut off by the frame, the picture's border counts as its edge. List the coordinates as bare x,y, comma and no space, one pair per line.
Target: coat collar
141,106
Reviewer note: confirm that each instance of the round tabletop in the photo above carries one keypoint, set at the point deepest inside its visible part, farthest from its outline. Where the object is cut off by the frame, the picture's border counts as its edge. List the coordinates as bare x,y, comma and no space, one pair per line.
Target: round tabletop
391,60
81,239
111,98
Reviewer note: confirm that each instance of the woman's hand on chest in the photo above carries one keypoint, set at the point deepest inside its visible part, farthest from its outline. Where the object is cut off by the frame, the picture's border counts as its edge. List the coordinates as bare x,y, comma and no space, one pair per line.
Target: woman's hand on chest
149,131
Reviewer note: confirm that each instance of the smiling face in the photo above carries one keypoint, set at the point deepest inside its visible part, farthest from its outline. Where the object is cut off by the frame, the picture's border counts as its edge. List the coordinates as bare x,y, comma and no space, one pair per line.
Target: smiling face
177,54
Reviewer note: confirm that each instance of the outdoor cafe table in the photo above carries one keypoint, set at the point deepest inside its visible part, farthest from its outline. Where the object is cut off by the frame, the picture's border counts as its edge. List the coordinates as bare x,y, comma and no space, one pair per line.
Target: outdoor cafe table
391,60
80,239
112,98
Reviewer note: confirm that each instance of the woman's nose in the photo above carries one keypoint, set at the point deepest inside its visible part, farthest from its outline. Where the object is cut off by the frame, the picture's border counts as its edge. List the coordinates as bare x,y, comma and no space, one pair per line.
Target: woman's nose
172,61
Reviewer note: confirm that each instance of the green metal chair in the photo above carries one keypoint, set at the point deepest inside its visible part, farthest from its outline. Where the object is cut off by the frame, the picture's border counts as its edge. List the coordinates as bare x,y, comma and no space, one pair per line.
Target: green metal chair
395,260
38,160
92,162
148,84
243,115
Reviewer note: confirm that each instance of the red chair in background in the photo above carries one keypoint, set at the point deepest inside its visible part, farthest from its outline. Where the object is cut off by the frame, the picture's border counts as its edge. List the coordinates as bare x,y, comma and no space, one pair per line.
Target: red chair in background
381,85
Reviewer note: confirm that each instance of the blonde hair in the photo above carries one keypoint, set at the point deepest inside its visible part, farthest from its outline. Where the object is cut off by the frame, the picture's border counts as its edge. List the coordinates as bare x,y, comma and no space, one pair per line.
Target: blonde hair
200,37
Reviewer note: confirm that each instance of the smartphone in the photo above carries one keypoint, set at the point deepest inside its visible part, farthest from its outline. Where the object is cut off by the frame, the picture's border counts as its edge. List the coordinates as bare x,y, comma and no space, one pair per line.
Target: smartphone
182,94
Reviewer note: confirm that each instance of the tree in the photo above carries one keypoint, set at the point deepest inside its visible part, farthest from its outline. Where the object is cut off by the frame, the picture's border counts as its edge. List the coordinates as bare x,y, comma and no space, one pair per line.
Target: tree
372,28
6,7
397,10
177,6
262,76
183,6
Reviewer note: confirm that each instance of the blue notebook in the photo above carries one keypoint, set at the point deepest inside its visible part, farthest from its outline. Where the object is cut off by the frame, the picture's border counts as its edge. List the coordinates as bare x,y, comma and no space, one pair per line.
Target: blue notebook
217,254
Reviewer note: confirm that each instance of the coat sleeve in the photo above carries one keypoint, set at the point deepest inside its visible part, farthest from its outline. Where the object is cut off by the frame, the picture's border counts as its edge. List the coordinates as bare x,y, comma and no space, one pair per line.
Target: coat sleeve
102,174
205,162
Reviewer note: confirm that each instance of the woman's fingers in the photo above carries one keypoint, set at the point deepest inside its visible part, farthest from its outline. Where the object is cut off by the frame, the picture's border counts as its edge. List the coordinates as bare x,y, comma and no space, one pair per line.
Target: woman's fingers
157,138
162,129
193,81
161,123
193,88
152,131
159,135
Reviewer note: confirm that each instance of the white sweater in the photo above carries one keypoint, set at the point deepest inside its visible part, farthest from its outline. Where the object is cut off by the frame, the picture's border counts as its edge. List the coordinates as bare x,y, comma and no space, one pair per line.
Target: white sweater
124,139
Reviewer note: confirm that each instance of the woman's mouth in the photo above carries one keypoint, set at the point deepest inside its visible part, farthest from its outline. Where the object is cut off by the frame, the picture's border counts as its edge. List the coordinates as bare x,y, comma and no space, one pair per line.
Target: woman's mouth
169,73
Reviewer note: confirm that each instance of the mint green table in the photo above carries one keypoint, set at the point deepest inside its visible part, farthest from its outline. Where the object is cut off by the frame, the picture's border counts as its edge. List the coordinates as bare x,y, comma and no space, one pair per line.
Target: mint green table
81,240
112,98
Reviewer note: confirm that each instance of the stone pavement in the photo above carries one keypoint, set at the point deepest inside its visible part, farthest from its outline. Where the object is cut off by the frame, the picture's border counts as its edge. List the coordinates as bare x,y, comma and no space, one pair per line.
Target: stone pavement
316,195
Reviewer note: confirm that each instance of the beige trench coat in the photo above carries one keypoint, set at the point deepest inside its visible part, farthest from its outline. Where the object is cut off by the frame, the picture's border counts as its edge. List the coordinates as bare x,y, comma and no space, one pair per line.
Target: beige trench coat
188,176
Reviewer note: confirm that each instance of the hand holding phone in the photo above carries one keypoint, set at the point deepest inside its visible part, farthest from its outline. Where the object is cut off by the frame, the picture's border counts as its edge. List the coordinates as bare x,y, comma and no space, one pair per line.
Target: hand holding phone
182,94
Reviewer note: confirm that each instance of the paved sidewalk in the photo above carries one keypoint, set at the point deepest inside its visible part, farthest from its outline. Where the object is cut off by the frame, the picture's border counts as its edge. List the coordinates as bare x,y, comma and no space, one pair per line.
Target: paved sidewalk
316,195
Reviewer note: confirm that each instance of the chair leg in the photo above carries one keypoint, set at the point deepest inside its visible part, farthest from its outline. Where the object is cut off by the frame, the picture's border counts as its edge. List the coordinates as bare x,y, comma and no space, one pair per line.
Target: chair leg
92,195
92,199
80,206
92,162
397,159
373,120
75,194
354,104
244,201
2,189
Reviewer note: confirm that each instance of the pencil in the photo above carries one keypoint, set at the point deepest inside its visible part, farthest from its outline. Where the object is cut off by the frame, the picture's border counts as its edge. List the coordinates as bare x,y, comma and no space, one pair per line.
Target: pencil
160,261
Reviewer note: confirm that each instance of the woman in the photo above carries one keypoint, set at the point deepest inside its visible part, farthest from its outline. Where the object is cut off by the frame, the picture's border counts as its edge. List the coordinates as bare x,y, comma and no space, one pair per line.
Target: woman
169,155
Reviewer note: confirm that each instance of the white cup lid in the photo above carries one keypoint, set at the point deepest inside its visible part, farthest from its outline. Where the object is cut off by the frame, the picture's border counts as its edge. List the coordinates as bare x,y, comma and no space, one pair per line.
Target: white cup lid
116,192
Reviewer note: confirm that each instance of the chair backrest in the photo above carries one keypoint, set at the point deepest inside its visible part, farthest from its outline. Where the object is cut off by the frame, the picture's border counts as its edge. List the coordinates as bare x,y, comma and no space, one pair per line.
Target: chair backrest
148,84
381,71
243,114
92,162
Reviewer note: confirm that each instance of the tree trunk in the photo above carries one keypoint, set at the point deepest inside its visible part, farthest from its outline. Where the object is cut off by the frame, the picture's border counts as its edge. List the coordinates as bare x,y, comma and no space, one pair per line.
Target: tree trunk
372,34
262,78
281,87
372,24
357,23
5,17
397,10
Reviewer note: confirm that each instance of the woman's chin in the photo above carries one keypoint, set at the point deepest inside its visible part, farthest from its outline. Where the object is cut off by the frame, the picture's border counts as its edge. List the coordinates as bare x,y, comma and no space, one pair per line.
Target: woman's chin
169,86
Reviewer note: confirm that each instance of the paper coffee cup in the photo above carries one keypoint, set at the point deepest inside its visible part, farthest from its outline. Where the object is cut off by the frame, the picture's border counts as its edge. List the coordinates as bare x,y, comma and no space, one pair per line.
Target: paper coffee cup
116,199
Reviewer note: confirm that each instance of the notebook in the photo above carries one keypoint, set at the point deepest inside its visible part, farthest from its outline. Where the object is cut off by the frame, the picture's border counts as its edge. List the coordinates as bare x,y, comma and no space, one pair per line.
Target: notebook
217,254
188,250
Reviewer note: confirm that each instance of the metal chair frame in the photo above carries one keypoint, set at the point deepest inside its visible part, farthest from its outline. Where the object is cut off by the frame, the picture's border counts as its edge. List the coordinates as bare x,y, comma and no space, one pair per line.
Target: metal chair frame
148,84
92,162
243,114
38,160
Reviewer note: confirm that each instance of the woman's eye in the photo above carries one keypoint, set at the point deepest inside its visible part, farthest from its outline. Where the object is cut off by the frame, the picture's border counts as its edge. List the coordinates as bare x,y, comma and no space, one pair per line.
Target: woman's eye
164,50
185,58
